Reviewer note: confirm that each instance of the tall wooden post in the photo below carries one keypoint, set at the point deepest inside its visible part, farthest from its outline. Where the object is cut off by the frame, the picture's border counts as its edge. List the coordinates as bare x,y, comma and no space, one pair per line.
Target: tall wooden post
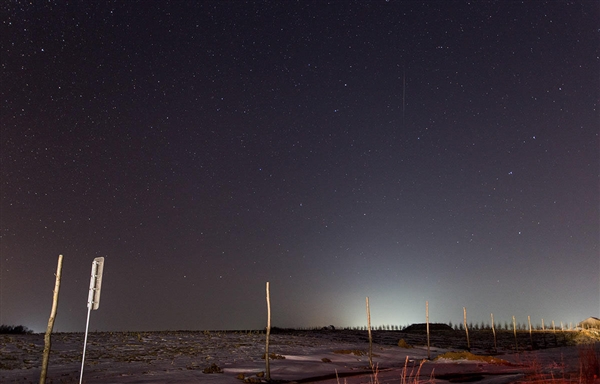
47,341
267,367
494,332
370,336
544,333
530,332
427,321
466,328
515,332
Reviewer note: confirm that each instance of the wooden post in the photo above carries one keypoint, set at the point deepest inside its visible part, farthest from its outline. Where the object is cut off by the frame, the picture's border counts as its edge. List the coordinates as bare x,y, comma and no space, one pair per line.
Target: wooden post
267,367
515,332
544,333
466,328
370,336
530,331
494,332
427,321
47,341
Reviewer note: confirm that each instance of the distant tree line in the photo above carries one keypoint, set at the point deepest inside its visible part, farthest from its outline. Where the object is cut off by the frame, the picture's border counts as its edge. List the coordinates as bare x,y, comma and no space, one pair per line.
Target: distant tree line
477,326
14,330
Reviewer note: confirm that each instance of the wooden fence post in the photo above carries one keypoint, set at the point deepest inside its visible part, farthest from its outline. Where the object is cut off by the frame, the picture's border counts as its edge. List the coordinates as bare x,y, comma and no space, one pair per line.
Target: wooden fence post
47,340
494,332
530,332
427,321
466,328
544,333
515,332
370,336
267,367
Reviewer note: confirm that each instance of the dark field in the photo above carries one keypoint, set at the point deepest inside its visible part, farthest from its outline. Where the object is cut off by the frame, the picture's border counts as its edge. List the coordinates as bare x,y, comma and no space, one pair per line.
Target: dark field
305,356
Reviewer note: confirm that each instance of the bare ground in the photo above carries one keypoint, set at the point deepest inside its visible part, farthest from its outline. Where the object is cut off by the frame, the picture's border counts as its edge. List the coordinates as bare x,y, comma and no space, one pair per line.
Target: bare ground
302,356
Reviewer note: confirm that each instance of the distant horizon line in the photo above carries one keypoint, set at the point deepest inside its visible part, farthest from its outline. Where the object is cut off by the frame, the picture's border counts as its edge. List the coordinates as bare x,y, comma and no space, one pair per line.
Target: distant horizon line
481,326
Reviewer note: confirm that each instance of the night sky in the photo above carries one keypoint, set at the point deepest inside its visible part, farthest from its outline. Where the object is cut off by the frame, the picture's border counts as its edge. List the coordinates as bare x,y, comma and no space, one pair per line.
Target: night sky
441,151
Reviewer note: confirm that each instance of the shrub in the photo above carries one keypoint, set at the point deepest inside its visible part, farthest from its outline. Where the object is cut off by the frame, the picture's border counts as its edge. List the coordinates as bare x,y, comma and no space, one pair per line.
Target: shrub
273,356
214,368
463,355
355,352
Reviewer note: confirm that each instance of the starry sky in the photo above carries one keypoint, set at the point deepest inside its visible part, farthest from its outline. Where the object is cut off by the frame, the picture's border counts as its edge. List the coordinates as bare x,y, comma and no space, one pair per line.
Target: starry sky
408,151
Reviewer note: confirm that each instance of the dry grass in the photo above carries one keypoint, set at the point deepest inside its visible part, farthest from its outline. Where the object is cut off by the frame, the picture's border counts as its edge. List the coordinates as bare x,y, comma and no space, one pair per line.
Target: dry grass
589,369
589,363
587,336
413,377
356,352
410,375
273,356
463,355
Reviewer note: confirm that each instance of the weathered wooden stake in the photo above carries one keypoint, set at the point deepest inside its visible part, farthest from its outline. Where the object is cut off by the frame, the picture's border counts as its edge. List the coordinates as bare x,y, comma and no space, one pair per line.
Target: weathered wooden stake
494,332
47,341
515,332
370,336
544,333
267,367
530,331
427,321
466,328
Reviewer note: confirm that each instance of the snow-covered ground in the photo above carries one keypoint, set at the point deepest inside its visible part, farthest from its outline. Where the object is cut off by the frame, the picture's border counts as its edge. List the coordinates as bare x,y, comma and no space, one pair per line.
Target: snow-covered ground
308,356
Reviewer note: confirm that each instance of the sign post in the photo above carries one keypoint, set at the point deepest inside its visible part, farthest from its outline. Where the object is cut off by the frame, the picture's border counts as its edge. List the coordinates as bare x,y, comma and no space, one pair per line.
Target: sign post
93,300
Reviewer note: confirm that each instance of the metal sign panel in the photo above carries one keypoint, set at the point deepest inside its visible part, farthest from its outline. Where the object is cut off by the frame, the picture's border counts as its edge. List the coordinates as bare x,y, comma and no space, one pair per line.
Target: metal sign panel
95,283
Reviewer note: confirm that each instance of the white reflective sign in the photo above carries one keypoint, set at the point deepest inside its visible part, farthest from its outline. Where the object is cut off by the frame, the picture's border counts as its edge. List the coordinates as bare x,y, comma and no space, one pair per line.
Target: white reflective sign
95,283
